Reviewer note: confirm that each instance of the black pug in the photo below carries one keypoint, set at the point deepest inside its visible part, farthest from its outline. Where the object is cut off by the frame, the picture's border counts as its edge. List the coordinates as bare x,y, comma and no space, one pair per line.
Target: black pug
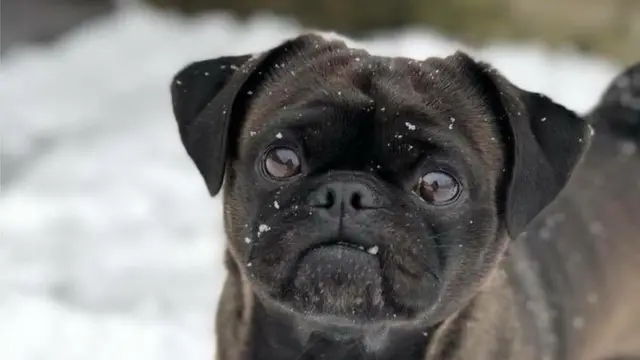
376,208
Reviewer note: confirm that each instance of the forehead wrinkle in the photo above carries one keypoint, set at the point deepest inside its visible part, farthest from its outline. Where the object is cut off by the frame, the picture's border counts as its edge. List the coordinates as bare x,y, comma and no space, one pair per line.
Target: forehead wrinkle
445,88
439,140
432,91
324,75
306,122
332,68
433,87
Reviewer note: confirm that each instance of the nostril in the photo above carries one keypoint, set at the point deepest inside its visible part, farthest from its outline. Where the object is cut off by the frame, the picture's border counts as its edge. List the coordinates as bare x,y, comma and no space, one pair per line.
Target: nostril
330,198
356,200
323,198
360,198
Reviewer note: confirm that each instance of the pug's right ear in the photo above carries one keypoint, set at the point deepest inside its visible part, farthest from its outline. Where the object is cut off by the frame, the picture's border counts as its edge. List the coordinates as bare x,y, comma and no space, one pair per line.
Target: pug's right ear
209,101
202,95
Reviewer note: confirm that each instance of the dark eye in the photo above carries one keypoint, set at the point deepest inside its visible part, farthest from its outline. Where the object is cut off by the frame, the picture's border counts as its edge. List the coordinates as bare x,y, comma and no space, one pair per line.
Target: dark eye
281,163
438,188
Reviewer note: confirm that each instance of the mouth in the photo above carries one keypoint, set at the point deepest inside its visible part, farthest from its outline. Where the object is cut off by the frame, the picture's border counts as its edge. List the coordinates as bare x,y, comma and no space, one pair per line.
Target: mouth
354,276
342,243
372,250
339,253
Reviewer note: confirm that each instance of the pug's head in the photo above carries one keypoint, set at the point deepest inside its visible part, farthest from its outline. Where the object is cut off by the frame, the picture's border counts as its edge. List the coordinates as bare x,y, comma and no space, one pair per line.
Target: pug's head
371,189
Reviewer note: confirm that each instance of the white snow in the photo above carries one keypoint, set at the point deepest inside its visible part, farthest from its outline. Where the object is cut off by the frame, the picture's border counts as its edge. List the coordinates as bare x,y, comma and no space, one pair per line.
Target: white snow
263,228
110,247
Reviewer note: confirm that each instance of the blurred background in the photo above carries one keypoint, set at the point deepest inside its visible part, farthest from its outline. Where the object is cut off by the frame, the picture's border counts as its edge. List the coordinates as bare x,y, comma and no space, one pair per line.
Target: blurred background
110,247
610,28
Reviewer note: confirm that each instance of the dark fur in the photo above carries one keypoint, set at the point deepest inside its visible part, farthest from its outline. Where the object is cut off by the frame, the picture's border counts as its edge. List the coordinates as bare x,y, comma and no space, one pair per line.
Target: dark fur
450,283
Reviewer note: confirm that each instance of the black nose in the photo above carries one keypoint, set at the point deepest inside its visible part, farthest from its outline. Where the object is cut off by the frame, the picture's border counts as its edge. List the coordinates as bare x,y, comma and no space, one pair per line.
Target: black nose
343,196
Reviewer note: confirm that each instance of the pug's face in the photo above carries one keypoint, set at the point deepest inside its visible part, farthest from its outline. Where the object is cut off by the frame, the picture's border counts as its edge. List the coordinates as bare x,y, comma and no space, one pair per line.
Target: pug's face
368,189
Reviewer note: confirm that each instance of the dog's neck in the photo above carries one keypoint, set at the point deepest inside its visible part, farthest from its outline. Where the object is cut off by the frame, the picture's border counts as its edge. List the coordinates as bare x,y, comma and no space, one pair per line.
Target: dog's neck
275,335
251,330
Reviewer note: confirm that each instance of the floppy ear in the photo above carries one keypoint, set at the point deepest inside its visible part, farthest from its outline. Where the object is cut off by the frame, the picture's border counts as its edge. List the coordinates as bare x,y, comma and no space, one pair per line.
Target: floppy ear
209,99
545,142
201,107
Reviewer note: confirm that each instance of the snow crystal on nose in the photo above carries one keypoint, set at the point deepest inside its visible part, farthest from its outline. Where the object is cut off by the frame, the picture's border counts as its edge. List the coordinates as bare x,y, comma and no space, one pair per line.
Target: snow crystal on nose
410,126
263,228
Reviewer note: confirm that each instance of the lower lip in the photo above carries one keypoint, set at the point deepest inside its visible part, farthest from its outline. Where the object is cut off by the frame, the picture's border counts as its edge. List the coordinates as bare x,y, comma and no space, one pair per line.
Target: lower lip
329,272
346,255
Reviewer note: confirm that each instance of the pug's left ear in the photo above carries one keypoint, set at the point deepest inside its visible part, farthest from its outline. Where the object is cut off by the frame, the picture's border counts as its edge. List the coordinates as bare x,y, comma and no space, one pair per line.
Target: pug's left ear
545,142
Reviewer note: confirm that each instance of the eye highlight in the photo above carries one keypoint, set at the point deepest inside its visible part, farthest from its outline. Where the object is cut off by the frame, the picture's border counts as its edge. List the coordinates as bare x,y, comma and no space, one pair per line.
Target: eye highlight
437,188
281,163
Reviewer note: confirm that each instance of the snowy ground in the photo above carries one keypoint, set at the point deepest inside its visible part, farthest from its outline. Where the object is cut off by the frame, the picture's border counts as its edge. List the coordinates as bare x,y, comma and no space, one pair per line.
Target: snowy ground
109,245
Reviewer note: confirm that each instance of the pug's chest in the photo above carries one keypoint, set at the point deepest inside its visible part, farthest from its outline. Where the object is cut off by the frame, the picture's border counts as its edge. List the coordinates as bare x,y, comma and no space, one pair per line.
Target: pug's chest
324,347
342,352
